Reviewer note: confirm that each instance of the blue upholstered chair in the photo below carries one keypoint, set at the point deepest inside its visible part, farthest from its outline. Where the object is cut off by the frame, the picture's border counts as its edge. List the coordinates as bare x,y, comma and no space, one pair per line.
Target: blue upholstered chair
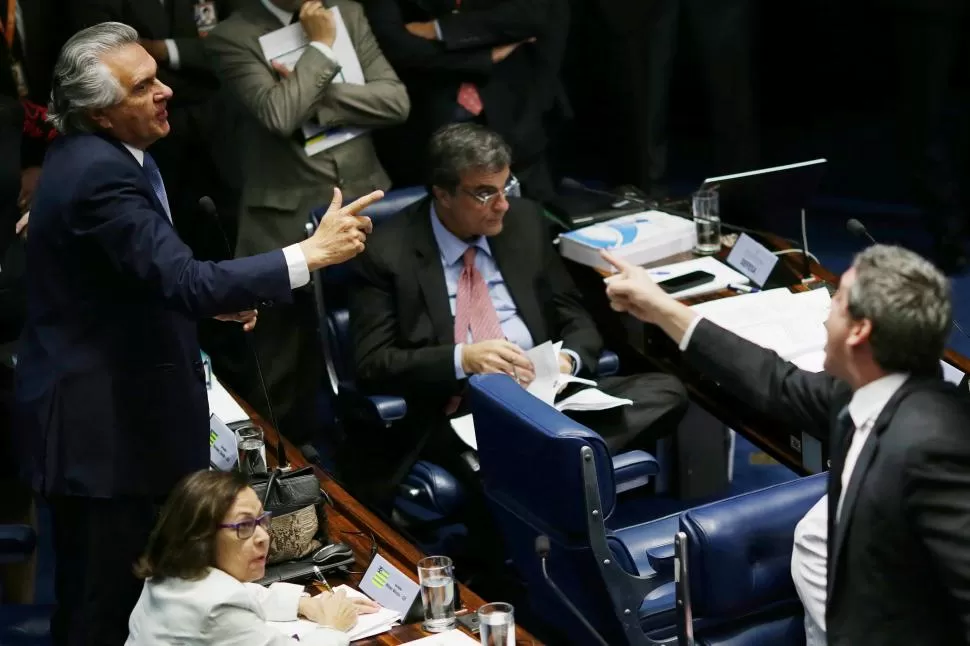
429,494
21,625
734,556
545,475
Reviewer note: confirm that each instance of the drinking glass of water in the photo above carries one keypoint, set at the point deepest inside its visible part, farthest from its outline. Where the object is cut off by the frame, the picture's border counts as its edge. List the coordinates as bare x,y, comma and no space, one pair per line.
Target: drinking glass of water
707,222
252,450
496,624
437,593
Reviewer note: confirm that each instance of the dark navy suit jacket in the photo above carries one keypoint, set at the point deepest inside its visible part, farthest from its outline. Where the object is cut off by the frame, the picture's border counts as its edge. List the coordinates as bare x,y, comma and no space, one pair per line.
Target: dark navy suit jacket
110,384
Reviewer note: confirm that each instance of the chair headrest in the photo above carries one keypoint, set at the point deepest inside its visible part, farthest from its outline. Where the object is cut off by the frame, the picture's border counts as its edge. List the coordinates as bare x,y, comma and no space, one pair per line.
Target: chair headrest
530,453
739,549
394,202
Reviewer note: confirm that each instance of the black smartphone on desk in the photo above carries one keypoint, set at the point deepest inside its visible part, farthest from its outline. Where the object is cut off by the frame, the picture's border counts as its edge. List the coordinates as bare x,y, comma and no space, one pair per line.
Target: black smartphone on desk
687,281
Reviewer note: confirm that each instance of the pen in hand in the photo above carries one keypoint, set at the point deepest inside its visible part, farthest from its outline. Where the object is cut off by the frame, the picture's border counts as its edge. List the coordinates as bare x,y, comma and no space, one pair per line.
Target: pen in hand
322,579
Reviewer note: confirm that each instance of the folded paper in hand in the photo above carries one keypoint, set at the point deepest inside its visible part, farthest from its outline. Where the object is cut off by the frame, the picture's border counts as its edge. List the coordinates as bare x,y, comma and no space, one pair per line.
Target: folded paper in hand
287,44
548,383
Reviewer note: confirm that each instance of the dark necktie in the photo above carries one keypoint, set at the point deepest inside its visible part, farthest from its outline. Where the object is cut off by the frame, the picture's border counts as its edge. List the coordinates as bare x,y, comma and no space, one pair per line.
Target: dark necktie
158,186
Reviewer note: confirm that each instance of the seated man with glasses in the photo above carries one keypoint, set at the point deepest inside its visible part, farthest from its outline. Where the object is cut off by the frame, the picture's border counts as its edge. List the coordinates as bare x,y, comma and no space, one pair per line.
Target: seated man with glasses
463,283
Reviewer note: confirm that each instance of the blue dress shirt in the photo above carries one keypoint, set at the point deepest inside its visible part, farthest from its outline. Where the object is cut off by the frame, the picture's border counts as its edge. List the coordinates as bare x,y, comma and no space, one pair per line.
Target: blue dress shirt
450,250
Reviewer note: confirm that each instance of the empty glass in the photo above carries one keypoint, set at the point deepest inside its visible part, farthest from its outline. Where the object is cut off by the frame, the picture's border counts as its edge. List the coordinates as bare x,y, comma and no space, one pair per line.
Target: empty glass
252,450
707,222
496,624
437,579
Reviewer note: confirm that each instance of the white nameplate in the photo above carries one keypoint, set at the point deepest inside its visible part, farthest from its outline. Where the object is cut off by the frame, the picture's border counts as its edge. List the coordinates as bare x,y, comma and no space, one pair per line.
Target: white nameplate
223,453
388,586
752,259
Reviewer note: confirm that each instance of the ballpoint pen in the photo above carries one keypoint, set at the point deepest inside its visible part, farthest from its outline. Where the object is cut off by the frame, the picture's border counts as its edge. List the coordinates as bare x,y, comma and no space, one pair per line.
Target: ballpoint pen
322,579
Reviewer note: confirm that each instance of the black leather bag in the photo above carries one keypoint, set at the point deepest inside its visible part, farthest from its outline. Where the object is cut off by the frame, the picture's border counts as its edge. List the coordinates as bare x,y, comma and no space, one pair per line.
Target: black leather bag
295,499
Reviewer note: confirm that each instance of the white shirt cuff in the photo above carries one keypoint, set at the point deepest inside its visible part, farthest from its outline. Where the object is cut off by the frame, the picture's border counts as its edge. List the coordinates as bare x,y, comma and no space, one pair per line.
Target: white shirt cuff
173,53
577,362
437,30
296,266
689,333
459,372
326,51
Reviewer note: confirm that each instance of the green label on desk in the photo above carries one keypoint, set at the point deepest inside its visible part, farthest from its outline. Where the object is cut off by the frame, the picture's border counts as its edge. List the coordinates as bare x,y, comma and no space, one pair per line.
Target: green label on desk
388,586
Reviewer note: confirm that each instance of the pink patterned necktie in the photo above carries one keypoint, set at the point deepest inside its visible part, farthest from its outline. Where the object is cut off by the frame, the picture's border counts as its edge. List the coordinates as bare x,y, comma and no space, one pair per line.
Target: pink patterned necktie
473,307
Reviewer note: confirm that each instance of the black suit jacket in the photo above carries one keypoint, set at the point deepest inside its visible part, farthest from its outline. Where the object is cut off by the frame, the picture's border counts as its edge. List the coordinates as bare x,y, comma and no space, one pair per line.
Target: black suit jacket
110,385
402,324
899,560
195,79
522,95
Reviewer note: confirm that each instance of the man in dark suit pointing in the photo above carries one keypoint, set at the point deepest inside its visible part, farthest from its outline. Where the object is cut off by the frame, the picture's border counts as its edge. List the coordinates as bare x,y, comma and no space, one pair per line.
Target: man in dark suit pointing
899,486
110,385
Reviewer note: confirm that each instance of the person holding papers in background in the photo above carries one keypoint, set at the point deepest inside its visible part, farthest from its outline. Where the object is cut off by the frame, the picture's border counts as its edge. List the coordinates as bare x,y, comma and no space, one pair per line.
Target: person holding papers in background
111,405
898,504
494,62
466,282
209,544
282,182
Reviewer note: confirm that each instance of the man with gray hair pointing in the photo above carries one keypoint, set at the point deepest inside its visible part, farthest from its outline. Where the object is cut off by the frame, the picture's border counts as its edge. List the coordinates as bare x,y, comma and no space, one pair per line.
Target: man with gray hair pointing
111,395
898,507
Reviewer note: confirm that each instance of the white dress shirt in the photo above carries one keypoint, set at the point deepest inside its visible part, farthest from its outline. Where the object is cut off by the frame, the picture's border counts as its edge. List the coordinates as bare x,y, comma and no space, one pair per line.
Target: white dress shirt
810,551
219,610
285,17
296,265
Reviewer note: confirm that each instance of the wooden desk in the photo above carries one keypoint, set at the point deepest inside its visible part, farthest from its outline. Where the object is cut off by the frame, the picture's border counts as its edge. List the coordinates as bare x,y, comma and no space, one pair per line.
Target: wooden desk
783,444
350,522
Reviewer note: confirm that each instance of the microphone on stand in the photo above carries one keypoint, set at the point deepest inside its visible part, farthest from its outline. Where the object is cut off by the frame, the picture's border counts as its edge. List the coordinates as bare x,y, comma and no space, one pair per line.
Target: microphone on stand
618,200
859,230
542,551
209,208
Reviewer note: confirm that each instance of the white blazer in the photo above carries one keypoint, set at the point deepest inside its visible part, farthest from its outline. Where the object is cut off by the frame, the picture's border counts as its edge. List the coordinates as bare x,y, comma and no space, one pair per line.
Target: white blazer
219,610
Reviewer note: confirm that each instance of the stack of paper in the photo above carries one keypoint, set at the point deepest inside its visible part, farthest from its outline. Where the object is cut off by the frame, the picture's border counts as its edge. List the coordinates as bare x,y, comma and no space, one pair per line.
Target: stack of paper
791,324
367,625
223,406
638,238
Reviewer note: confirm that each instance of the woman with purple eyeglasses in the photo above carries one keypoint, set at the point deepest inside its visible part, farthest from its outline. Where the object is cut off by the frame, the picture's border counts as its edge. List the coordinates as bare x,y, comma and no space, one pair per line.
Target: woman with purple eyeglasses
209,544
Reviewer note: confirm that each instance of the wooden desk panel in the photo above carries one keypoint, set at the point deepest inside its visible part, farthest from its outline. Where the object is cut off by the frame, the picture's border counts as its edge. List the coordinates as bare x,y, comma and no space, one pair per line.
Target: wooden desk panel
350,522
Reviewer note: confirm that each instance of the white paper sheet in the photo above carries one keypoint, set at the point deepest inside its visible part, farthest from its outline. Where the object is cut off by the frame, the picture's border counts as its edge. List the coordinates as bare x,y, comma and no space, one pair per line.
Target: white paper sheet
450,638
591,399
223,406
723,275
464,426
367,625
545,360
791,324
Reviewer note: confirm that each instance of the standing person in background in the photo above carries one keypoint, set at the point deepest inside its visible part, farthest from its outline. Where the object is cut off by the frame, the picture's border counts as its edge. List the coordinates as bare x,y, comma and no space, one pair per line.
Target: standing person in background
489,61
200,157
110,387
283,183
929,37
720,32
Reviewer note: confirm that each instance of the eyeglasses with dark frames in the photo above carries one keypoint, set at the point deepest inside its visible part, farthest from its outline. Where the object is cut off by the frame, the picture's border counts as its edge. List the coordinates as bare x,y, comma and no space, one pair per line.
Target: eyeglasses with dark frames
485,196
246,528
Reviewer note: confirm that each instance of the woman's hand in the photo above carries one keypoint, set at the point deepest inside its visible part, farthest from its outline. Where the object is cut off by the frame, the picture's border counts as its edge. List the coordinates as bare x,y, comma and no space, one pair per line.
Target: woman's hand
335,610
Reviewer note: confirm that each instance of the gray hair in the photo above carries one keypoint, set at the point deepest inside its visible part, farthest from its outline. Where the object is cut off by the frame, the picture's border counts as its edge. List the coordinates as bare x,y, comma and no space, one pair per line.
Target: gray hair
82,82
459,147
907,300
